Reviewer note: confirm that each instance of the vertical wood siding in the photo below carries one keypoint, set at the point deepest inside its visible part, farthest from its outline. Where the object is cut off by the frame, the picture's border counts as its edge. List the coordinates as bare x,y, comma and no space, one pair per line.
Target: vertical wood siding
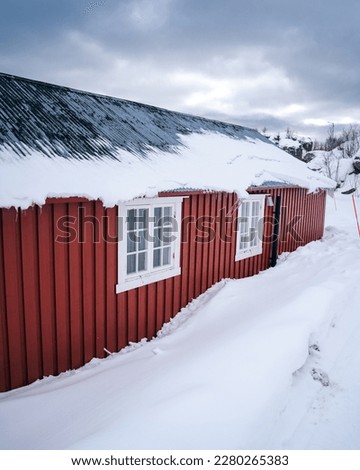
58,306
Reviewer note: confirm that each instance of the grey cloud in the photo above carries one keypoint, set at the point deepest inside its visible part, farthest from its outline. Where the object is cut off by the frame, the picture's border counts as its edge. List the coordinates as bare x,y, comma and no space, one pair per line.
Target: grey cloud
303,53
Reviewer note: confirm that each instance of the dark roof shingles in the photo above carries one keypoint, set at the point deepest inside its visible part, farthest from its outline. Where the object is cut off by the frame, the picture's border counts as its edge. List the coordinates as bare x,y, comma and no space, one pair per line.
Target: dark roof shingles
75,124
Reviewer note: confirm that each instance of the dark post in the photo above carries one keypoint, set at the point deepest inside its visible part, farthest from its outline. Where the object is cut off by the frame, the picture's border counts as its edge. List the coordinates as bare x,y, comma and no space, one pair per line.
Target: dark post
275,240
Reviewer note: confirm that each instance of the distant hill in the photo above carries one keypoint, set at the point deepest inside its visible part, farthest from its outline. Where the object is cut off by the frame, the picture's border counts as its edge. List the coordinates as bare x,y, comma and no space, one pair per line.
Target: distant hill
296,145
339,158
338,166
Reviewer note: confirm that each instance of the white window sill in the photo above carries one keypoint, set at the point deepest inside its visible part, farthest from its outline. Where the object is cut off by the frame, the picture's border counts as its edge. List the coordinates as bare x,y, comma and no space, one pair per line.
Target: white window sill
248,253
146,279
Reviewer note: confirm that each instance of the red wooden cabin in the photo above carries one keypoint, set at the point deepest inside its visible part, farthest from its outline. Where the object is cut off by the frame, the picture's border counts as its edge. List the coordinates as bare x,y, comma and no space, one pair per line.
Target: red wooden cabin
80,276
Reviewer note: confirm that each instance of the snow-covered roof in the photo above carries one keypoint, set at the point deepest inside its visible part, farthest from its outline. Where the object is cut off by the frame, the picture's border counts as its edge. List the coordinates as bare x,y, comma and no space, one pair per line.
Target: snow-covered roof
56,142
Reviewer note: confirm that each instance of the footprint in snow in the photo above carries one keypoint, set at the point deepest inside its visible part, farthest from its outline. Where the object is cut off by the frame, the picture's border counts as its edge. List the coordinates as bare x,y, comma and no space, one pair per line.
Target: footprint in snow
321,376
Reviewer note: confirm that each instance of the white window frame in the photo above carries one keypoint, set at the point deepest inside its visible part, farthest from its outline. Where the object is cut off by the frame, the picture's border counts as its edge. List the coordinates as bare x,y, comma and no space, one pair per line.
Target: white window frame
249,251
131,281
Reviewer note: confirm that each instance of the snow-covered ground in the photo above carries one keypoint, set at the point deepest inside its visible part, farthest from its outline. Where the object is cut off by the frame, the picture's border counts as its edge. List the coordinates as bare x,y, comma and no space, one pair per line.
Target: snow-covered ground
270,361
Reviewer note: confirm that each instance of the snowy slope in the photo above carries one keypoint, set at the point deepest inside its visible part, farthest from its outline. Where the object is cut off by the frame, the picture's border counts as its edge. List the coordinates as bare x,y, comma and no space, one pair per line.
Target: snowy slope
264,362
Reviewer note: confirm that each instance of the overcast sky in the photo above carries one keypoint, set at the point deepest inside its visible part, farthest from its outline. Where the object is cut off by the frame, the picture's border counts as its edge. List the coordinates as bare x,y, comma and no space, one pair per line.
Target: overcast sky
273,63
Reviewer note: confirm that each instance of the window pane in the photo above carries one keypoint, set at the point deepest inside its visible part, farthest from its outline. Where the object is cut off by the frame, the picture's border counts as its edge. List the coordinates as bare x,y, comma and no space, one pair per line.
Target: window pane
157,258
157,237
142,240
245,238
167,212
245,209
131,215
256,208
167,235
166,256
157,215
242,245
131,242
143,218
131,264
142,261
243,225
253,237
167,217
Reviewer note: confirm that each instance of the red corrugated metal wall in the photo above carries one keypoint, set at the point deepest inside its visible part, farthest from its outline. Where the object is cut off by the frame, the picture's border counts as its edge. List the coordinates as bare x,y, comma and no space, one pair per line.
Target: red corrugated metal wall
58,303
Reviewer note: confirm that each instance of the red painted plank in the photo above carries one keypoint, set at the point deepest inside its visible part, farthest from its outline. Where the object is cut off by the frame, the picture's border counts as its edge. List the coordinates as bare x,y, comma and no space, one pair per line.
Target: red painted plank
217,241
205,235
111,279
47,289
160,305
228,261
14,298
237,270
316,218
316,208
303,222
151,313
90,236
222,254
247,271
61,268
287,212
31,293
283,222
122,335
240,266
251,265
291,238
232,235
185,243
300,215
199,208
192,249
142,313
169,295
76,288
100,282
294,215
297,204
306,228
212,240
4,347
323,212
313,216
132,303
283,218
176,296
